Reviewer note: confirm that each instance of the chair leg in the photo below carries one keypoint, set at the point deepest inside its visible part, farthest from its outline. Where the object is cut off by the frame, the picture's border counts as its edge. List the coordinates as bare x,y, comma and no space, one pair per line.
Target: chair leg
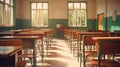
21,64
80,60
31,61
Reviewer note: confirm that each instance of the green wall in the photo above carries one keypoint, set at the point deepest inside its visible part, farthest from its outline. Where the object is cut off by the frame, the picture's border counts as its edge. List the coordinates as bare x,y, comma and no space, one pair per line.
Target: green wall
6,28
22,23
109,24
26,23
54,22
113,25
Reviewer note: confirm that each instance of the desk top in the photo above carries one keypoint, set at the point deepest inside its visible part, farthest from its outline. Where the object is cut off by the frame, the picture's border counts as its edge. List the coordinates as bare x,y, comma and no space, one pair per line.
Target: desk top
82,32
31,33
7,32
21,32
105,38
6,51
19,37
48,31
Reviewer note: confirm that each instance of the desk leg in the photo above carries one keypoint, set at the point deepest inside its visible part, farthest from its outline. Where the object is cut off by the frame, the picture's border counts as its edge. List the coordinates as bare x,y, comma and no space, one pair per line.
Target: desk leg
34,54
42,49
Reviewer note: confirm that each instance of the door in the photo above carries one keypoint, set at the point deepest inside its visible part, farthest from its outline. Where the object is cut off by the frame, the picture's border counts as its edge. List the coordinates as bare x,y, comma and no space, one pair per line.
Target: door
100,18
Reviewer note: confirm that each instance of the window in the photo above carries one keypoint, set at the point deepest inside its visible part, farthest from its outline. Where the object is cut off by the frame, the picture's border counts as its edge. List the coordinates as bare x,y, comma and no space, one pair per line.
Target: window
77,14
6,13
39,14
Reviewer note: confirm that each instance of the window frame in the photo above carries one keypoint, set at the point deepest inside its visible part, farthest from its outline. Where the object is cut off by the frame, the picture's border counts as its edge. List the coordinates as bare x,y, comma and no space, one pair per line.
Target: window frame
43,25
77,24
7,15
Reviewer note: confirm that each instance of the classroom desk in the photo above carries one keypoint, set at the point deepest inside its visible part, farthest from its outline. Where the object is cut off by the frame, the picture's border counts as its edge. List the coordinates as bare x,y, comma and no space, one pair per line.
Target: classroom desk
7,33
40,33
48,37
98,39
31,39
80,43
9,55
73,37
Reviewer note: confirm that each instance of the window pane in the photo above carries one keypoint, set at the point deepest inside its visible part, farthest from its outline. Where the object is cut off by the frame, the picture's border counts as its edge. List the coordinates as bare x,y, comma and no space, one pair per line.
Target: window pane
74,17
45,17
40,18
1,14
6,15
7,1
70,5
83,5
83,17
33,6
11,16
33,17
78,18
11,2
2,0
45,5
76,5
70,19
39,5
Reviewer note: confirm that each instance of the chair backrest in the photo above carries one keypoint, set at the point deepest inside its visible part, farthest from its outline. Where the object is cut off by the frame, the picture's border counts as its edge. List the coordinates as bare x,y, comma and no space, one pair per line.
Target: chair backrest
11,42
87,39
67,33
76,34
109,46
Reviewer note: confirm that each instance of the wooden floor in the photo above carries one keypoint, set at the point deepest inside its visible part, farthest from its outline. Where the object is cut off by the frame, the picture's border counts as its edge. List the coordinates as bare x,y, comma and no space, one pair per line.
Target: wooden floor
58,56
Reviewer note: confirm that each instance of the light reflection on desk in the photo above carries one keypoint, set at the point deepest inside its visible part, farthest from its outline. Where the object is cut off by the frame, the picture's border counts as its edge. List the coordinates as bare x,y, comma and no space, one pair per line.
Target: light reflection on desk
6,49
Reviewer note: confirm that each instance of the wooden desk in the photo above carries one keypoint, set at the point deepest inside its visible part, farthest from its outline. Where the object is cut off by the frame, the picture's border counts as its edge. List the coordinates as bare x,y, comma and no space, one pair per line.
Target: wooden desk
6,33
27,35
80,42
21,30
31,39
109,39
9,55
48,34
72,37
105,38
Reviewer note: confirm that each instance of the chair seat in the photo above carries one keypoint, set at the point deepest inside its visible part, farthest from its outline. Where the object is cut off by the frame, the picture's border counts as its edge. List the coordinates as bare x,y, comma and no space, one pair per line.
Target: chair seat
106,63
26,56
88,53
21,63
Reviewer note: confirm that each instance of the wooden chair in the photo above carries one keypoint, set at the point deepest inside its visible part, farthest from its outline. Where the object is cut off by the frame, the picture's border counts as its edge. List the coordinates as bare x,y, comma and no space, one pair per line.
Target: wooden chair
28,43
68,36
13,42
107,47
21,63
75,43
27,51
